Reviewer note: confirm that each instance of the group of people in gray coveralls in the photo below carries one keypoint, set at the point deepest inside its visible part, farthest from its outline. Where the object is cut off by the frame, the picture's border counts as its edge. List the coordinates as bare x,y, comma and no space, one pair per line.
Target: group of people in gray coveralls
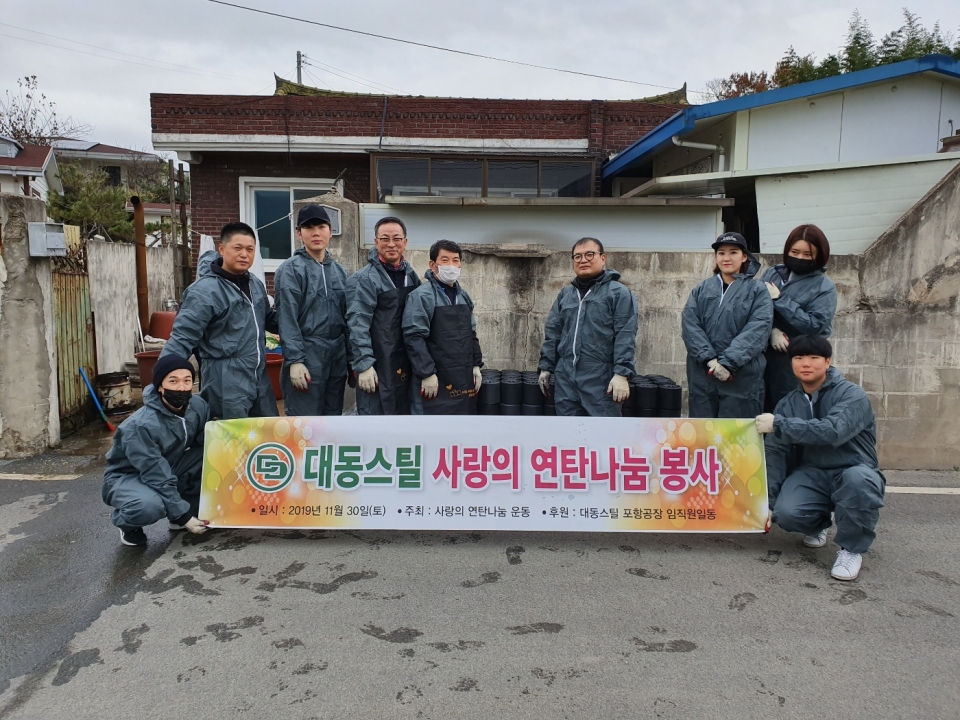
755,348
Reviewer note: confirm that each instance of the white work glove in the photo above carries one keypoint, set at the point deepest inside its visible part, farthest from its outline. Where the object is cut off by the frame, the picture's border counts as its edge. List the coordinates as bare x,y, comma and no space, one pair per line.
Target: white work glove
718,370
300,377
477,379
779,340
620,388
765,423
197,527
545,382
429,387
773,290
367,380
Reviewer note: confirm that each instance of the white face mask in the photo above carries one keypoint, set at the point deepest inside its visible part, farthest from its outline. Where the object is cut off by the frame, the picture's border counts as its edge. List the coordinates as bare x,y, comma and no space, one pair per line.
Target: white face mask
448,274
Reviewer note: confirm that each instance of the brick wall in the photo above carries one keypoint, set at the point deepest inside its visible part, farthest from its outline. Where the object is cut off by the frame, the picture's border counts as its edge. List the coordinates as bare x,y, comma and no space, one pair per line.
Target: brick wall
215,182
617,123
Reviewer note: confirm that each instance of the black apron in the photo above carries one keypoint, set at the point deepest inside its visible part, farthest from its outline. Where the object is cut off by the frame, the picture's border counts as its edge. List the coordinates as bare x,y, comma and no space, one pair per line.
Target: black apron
394,371
451,346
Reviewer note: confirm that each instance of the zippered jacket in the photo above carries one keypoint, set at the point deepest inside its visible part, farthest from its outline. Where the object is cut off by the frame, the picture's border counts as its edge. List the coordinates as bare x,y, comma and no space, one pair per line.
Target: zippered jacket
226,330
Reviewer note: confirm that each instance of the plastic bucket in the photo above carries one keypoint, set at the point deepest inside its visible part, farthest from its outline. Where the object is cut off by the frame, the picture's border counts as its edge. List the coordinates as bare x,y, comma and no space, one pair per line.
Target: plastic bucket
113,390
161,324
145,362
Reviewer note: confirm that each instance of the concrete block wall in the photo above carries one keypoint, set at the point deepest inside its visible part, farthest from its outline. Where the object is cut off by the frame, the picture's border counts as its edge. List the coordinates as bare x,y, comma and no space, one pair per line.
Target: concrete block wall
29,406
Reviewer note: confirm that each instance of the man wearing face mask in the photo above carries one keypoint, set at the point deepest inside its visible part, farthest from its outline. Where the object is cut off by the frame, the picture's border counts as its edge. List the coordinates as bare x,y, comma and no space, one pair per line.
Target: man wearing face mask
153,469
440,333
590,338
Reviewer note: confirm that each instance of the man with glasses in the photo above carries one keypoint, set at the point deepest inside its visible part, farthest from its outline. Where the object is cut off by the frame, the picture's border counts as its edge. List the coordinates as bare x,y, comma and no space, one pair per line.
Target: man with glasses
377,295
590,338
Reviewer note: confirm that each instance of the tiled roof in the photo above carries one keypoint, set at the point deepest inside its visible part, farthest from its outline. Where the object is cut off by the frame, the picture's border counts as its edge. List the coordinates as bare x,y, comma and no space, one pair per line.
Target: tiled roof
32,157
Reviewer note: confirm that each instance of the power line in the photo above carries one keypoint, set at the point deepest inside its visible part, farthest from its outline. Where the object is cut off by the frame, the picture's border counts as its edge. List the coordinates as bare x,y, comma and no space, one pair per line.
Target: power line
350,76
105,57
116,52
371,85
434,47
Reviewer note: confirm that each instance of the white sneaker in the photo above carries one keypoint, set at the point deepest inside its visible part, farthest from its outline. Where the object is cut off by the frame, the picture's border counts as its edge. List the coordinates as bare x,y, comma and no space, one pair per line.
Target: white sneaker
847,566
816,541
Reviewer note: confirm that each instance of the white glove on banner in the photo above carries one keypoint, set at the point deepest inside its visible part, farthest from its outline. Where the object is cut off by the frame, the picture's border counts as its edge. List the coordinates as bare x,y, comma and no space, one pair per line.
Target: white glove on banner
477,379
773,290
620,388
300,377
197,527
779,340
367,380
429,387
719,371
545,382
765,423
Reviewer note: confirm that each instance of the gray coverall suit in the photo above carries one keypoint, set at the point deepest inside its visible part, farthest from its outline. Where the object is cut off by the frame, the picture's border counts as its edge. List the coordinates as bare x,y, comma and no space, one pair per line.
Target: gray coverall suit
153,469
733,327
822,458
226,328
806,306
586,342
311,305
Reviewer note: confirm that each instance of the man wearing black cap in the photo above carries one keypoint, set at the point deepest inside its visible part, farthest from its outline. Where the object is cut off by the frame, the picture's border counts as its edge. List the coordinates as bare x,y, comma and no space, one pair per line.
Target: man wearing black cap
821,451
153,469
312,313
223,316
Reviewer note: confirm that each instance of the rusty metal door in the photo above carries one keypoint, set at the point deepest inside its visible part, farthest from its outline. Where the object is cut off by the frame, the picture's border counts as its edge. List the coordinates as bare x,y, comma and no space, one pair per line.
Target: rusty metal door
73,321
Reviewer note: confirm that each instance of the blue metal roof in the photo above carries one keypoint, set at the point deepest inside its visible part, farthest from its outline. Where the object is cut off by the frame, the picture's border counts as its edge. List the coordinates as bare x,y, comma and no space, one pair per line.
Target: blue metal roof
683,122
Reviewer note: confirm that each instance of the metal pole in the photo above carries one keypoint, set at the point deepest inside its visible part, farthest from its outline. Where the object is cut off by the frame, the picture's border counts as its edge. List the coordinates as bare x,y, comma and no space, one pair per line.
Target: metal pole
140,235
184,230
173,205
299,68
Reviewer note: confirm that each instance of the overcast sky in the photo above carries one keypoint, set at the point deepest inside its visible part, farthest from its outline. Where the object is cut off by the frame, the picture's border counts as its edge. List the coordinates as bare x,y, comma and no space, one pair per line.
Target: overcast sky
228,51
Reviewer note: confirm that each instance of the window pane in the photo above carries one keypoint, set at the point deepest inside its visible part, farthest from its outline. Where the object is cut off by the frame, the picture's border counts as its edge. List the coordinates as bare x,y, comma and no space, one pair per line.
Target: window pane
569,179
457,178
398,176
511,179
276,235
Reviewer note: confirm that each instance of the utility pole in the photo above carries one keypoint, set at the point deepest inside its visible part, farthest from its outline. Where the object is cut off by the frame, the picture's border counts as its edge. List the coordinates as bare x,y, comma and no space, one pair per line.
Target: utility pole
299,68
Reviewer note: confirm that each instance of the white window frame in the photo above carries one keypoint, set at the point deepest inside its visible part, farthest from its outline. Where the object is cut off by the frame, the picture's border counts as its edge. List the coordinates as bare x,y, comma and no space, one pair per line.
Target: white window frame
248,184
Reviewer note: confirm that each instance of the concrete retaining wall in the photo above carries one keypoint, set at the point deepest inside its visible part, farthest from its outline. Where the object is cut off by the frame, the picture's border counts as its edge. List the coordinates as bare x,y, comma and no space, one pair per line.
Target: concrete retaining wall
29,412
113,296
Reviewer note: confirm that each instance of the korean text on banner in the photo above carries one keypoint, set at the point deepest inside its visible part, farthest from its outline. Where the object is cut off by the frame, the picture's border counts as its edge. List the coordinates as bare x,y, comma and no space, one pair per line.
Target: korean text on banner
485,473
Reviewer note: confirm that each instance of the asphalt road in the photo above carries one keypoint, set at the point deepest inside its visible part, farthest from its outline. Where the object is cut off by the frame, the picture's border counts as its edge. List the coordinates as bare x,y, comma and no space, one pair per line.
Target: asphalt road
466,625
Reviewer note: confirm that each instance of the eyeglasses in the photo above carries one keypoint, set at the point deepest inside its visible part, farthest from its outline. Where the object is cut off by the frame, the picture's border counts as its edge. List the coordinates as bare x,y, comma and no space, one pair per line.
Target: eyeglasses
391,240
588,256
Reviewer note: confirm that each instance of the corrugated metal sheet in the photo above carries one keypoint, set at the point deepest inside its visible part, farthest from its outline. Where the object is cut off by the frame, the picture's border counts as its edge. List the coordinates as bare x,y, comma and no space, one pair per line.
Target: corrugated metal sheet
74,325
853,207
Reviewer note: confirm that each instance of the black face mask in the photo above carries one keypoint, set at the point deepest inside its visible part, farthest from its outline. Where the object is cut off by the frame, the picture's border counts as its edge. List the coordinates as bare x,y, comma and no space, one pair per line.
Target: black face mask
799,265
177,399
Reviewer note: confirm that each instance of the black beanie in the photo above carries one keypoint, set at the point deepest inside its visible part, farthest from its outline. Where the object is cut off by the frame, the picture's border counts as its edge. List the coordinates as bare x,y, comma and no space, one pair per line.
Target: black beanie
166,365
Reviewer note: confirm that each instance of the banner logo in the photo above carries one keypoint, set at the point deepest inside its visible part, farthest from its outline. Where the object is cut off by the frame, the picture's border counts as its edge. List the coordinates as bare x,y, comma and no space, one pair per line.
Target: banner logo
270,467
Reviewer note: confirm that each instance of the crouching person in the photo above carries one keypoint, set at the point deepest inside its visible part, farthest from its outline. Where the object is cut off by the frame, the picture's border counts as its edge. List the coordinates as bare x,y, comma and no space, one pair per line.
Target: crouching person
153,469
821,447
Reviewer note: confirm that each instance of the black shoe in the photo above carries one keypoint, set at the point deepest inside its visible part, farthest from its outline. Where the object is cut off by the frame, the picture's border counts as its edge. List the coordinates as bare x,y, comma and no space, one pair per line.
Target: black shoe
134,538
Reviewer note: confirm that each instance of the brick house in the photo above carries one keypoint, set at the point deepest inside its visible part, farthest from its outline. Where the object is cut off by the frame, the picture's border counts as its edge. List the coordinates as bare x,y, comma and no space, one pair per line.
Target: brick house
251,157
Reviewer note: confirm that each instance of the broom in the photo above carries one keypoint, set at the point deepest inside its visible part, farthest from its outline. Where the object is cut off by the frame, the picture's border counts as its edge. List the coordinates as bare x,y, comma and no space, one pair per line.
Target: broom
96,402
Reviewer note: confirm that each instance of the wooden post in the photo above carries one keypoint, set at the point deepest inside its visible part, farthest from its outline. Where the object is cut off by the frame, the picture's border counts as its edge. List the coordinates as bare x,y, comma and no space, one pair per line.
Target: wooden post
184,230
140,236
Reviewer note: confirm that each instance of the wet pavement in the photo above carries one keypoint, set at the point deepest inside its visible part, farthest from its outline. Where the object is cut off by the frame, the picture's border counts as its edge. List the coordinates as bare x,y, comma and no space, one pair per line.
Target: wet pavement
441,624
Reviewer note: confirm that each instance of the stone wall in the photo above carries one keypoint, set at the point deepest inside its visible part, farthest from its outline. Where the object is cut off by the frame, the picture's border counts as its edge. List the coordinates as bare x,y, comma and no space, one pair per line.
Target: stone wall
897,330
29,412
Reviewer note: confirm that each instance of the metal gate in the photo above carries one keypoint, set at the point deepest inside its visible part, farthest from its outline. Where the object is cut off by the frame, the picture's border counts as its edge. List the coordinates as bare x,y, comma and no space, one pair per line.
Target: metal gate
73,321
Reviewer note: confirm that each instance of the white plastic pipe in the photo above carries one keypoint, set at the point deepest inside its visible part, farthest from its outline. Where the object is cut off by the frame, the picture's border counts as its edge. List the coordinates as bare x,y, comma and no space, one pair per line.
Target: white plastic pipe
721,155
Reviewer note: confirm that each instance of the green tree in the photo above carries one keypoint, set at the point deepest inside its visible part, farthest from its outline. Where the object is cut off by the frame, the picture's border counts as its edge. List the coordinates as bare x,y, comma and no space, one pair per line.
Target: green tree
90,201
793,69
858,52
